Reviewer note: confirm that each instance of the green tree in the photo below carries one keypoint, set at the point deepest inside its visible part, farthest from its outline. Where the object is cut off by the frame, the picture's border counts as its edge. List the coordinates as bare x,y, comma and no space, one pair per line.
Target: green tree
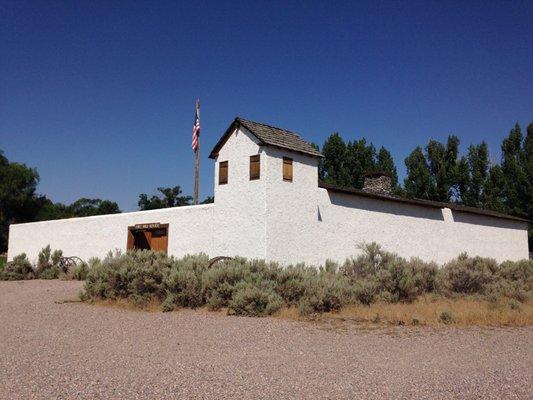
171,197
86,207
528,167
493,190
385,163
418,181
344,164
433,175
208,200
517,166
360,158
514,171
442,161
49,210
472,175
332,169
18,201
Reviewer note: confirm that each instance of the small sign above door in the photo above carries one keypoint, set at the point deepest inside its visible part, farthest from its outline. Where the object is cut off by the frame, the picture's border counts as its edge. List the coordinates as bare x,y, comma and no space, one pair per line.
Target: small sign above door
154,225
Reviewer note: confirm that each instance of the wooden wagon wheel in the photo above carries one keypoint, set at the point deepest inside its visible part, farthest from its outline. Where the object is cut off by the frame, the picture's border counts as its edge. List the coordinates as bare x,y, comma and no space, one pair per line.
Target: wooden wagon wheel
218,259
68,263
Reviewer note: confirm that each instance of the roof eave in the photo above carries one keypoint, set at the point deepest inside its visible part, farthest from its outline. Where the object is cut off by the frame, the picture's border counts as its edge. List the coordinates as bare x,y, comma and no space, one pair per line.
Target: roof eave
420,202
238,122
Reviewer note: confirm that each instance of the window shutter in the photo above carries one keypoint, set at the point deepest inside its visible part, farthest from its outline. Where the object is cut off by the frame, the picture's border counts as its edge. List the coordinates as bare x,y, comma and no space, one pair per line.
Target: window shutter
287,169
223,173
255,167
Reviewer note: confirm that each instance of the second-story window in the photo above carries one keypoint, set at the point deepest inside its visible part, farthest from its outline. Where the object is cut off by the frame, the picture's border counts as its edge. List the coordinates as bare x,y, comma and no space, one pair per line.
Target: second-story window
255,167
287,169
222,172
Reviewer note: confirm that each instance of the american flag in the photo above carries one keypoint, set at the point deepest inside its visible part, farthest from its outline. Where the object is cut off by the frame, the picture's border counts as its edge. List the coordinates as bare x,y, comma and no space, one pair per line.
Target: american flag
196,130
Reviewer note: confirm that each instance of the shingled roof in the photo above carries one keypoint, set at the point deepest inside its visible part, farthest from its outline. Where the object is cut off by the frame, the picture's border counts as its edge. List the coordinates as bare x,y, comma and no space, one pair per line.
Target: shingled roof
268,136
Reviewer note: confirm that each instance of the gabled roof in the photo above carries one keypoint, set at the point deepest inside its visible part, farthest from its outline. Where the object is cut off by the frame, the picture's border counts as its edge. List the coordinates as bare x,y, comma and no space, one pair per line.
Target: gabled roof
418,202
268,136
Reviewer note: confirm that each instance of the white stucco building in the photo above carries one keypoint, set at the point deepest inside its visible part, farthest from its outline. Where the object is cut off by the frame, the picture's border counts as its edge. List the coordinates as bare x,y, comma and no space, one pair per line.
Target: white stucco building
269,204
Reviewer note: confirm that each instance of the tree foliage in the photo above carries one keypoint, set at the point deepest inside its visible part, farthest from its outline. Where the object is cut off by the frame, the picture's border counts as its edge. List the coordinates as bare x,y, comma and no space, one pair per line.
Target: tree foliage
19,201
517,169
418,182
438,174
432,175
208,200
472,176
345,163
385,163
169,197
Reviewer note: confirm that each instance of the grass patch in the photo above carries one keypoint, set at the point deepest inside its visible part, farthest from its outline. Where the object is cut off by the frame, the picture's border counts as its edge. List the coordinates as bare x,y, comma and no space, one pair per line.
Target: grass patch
426,311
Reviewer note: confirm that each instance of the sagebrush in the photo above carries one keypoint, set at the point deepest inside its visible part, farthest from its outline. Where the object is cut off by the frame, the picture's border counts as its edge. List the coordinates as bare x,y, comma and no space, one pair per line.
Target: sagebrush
257,288
48,266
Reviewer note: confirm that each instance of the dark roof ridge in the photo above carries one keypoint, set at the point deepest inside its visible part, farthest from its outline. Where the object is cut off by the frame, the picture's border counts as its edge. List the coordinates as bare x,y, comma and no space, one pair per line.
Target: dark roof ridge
269,135
270,126
419,202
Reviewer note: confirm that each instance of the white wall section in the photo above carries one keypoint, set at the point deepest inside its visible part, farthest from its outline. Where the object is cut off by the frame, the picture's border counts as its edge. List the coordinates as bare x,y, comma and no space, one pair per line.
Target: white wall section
189,231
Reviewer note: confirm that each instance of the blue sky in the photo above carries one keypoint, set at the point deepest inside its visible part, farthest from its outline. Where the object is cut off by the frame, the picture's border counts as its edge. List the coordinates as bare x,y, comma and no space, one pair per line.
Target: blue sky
99,96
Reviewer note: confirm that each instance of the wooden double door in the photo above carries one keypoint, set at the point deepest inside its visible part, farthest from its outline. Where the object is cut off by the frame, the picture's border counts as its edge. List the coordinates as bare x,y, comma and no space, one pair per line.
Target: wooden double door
148,237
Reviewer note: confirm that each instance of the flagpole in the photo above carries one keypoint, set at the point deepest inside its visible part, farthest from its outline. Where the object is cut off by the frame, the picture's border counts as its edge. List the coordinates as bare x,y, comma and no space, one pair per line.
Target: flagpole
197,161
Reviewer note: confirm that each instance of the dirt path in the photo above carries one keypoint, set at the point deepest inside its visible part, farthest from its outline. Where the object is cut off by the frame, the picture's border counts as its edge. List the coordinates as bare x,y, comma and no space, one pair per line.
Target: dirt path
50,349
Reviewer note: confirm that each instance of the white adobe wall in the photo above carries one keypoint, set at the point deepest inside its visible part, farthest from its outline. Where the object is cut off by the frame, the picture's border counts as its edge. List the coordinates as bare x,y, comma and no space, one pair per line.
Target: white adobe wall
431,234
309,224
240,205
190,231
292,209
318,225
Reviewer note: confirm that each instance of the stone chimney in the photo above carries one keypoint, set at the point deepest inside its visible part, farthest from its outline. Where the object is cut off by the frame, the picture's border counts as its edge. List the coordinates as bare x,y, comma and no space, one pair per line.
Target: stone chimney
377,182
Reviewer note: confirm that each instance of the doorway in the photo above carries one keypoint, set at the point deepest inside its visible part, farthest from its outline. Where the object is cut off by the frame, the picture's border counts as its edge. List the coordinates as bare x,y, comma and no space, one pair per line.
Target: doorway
153,236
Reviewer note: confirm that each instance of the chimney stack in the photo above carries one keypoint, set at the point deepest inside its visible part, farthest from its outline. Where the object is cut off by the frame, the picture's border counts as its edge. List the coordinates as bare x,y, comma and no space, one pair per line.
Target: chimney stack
377,182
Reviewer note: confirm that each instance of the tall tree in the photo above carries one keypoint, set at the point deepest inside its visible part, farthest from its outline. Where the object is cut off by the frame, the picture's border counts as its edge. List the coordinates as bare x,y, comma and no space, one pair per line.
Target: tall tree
433,175
472,175
333,169
385,163
360,158
493,190
442,161
514,171
345,164
418,181
18,201
86,207
510,189
171,197
528,166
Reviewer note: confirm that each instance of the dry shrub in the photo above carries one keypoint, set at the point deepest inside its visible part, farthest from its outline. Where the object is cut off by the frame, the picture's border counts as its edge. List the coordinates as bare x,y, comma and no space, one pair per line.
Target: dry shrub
292,283
18,269
483,276
326,292
48,263
184,282
468,274
388,276
81,270
137,275
256,288
256,300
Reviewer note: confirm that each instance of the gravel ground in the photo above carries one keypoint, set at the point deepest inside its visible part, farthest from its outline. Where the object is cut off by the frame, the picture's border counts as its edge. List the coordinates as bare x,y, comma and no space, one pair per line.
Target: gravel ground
61,350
